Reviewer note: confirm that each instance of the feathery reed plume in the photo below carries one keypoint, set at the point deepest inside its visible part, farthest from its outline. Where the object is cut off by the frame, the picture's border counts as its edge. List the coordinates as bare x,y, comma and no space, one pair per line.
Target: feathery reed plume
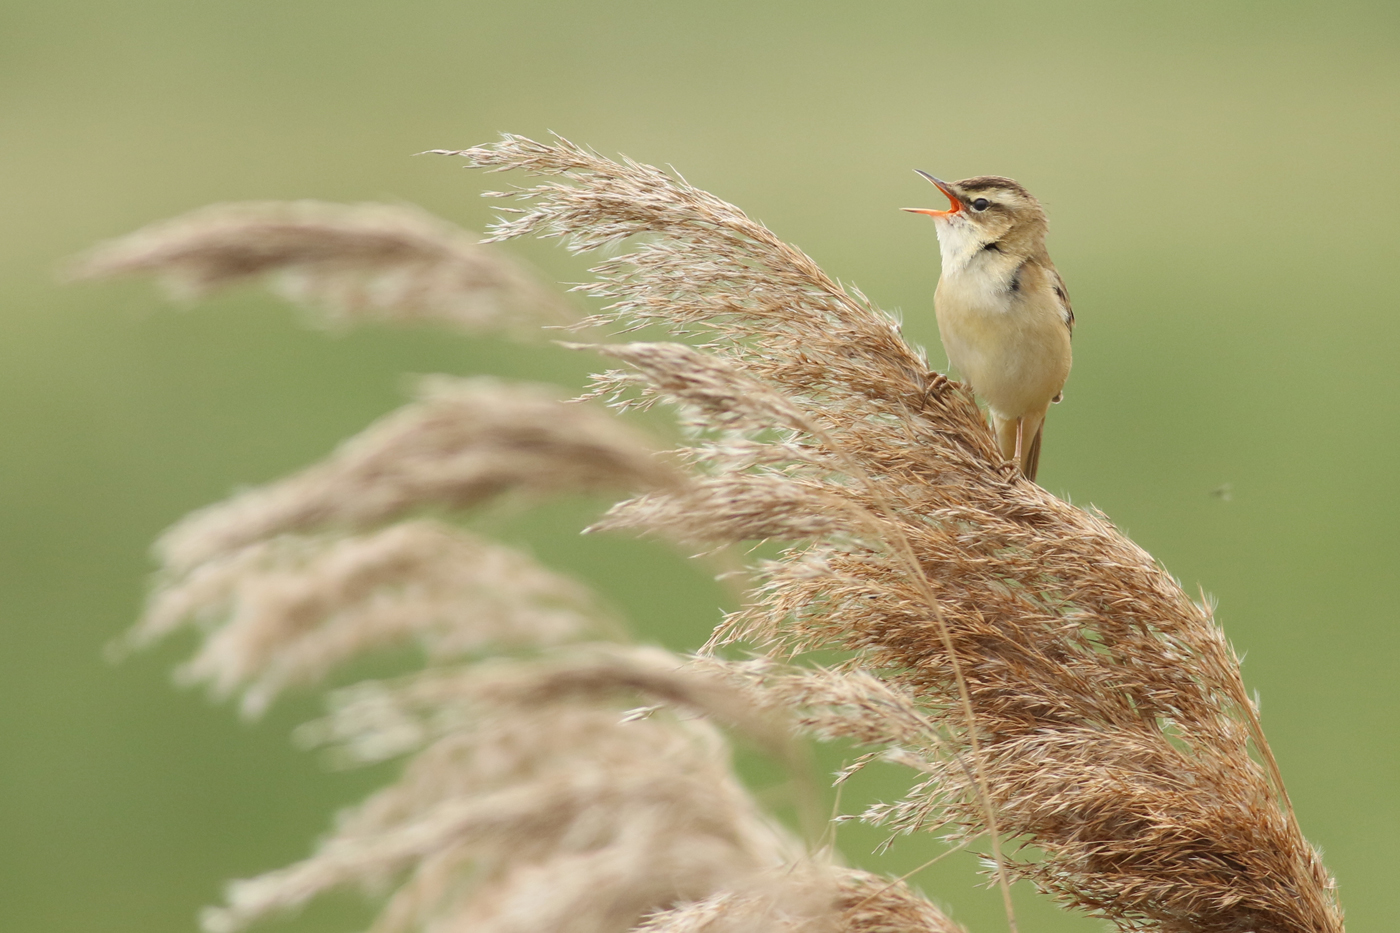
351,263
1071,693
531,798
294,607
462,441
531,803
813,899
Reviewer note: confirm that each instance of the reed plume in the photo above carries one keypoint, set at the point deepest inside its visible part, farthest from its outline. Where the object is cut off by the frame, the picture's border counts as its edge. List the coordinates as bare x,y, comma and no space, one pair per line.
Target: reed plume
350,263
1051,688
461,443
293,607
530,798
1076,699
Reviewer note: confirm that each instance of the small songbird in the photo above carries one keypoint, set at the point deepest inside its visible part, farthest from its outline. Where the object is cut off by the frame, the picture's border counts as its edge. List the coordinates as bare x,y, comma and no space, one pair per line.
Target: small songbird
1003,312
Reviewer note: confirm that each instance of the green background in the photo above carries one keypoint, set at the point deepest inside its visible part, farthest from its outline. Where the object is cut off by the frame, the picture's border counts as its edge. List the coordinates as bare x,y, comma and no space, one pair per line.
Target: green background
1221,181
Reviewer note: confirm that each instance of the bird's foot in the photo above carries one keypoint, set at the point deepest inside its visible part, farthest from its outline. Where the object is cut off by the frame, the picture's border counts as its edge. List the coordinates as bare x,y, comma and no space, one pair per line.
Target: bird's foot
935,385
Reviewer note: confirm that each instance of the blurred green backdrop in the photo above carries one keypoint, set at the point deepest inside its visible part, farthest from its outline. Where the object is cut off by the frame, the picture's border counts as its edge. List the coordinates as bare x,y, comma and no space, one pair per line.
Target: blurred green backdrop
1221,179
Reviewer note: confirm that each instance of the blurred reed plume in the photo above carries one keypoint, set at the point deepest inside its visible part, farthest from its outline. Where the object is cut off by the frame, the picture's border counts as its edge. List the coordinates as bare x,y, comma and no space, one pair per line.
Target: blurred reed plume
461,443
351,263
1052,690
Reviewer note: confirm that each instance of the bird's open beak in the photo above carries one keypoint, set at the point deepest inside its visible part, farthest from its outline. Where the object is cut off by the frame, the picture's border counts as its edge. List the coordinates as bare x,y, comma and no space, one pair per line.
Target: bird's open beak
955,203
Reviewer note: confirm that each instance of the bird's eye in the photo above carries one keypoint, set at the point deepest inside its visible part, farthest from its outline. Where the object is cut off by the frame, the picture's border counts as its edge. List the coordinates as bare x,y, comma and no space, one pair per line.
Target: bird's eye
981,204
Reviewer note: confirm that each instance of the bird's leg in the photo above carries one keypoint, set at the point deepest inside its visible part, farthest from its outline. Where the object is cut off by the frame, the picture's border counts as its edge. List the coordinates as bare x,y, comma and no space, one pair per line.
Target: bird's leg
1020,440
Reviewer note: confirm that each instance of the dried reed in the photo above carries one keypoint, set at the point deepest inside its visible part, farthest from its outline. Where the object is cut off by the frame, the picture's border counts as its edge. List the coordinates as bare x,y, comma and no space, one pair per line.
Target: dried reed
527,805
461,443
291,608
1073,693
530,798
351,263
1046,681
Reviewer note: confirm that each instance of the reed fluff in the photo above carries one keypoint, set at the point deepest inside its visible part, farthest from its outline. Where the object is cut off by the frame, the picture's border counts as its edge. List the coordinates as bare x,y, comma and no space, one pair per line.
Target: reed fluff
350,263
1050,687
461,443
531,797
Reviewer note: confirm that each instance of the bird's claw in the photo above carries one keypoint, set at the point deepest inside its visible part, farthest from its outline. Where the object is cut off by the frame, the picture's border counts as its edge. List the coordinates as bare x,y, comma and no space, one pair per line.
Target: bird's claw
935,385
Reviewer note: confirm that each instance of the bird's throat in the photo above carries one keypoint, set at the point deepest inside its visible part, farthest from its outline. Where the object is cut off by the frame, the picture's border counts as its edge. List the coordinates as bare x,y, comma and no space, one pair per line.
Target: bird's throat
959,243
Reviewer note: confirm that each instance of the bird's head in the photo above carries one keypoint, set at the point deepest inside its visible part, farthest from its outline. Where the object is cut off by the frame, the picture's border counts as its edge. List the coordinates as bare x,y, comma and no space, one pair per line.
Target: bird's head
986,212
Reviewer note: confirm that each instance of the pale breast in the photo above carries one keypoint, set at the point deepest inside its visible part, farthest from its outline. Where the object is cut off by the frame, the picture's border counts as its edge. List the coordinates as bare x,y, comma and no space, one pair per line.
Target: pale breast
1006,337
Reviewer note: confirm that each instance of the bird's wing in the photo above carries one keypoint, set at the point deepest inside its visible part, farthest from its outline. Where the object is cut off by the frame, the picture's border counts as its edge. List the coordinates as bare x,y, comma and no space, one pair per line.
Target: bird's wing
1057,282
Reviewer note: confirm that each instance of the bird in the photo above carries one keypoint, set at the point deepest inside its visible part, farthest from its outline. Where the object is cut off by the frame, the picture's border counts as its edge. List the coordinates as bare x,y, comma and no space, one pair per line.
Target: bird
1004,314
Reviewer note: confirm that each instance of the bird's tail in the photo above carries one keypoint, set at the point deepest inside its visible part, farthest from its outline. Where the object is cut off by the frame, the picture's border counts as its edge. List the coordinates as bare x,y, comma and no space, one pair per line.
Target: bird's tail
1031,428
1030,458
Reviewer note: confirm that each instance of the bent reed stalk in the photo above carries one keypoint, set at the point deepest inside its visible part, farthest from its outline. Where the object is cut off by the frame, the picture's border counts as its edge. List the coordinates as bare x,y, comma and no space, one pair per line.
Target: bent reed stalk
1047,683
